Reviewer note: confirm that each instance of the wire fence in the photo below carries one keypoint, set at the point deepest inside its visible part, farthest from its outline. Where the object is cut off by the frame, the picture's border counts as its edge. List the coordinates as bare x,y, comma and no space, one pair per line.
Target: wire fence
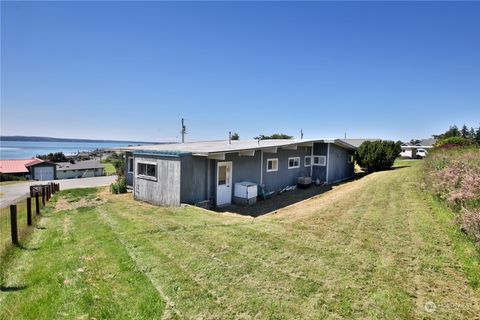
22,216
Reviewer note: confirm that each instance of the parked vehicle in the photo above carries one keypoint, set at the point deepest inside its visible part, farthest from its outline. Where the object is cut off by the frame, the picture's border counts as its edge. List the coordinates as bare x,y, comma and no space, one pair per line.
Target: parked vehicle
421,153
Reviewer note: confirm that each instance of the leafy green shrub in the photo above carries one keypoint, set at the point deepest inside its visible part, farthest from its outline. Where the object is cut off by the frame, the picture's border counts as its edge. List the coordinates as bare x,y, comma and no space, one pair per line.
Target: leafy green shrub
377,155
453,142
120,186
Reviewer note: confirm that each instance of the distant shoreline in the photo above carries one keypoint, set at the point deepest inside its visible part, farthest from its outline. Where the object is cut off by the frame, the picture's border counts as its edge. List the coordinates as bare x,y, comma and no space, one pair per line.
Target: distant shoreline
51,139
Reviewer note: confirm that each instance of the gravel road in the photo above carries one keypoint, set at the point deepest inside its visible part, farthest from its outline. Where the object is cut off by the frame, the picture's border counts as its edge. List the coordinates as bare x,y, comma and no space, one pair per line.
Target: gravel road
10,193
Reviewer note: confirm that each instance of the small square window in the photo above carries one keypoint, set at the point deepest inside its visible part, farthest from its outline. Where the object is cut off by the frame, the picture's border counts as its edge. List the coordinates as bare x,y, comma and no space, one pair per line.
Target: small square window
319,160
293,162
272,165
308,161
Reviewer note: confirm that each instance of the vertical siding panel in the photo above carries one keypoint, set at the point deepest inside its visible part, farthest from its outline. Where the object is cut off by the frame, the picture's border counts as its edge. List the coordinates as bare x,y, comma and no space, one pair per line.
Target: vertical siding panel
166,189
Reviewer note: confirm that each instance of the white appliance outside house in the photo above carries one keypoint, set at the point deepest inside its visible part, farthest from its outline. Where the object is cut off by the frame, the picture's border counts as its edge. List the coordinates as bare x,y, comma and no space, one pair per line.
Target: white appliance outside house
245,193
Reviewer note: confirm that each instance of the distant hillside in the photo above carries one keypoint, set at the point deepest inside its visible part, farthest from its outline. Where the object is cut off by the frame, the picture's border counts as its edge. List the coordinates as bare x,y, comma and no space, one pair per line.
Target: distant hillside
50,139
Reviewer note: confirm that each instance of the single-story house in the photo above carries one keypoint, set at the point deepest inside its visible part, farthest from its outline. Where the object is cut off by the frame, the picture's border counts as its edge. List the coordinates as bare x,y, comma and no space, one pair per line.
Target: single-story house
34,169
80,169
410,150
171,174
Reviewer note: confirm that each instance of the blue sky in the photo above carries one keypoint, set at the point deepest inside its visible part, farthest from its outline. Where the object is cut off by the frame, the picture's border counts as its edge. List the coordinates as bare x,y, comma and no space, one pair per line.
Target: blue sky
131,70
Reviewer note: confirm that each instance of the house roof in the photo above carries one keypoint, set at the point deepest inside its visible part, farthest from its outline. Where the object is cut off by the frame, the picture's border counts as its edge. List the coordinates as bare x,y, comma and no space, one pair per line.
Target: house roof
81,165
206,148
358,142
428,142
18,166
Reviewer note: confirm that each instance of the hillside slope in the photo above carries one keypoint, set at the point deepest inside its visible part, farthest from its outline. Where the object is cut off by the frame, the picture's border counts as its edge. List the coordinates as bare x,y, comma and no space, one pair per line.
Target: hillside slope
371,248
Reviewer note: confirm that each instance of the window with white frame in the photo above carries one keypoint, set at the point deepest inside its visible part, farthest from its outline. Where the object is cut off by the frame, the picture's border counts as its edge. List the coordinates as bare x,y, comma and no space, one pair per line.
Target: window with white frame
308,161
130,164
319,160
293,162
350,158
147,170
272,165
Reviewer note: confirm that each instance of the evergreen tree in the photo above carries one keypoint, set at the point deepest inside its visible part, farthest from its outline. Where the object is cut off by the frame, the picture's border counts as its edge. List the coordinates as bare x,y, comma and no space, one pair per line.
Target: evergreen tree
472,133
465,132
273,136
377,155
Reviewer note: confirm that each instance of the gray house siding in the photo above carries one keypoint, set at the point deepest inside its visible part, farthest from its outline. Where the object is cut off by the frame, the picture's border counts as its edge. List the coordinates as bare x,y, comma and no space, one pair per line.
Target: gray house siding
244,168
278,180
339,167
193,185
165,188
128,175
320,172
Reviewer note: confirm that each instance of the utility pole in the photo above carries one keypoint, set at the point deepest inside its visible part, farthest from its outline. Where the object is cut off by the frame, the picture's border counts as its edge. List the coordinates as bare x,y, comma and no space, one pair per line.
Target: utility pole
184,130
301,134
345,135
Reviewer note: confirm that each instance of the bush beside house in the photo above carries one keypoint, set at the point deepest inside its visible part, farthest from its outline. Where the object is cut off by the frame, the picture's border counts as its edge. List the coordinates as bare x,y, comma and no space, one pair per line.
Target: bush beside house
120,185
377,155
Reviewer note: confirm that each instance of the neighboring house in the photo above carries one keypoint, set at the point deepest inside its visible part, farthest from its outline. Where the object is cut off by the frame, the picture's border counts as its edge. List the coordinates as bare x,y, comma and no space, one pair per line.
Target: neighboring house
33,169
171,174
418,150
81,169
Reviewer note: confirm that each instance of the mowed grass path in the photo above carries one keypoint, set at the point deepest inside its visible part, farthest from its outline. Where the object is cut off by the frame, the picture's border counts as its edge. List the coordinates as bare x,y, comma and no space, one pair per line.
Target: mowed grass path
372,248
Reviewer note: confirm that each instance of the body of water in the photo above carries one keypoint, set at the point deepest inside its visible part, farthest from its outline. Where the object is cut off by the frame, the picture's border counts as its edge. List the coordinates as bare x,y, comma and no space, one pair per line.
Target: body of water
29,149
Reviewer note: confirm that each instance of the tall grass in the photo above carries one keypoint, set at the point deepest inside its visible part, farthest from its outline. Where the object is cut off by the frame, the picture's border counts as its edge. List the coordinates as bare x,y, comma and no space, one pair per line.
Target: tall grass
453,176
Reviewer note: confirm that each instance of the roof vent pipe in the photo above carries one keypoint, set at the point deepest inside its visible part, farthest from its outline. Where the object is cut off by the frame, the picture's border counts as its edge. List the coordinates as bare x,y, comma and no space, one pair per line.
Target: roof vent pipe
229,137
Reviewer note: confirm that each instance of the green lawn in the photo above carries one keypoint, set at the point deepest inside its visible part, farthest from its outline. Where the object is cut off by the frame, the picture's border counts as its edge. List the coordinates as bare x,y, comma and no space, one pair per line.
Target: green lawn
405,162
375,248
24,229
108,168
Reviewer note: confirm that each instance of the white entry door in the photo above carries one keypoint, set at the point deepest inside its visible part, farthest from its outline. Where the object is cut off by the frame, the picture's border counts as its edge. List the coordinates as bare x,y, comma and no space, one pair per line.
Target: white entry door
43,173
224,183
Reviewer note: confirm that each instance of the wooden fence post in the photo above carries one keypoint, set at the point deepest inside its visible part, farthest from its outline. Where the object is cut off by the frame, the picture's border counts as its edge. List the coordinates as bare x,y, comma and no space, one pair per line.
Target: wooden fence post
43,195
29,211
37,203
13,223
48,193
